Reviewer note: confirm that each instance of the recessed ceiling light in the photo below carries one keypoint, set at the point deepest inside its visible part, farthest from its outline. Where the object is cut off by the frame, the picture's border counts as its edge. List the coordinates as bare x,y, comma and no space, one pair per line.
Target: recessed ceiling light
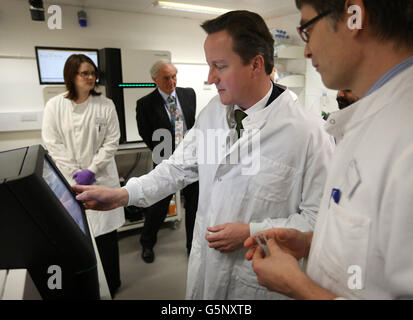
189,7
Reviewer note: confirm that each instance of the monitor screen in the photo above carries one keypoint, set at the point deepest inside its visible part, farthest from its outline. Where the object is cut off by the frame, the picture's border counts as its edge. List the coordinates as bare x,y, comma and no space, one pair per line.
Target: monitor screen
64,195
51,61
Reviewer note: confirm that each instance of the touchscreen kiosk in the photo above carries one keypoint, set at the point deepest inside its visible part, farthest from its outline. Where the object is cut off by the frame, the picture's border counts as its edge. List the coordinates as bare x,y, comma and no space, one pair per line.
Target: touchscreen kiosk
43,227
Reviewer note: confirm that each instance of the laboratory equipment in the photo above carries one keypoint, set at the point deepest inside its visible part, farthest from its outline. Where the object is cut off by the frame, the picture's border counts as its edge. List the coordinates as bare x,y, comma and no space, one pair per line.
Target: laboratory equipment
43,227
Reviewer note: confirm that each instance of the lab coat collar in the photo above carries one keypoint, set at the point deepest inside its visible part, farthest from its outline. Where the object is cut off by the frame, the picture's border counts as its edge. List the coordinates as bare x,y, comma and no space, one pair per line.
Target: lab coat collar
259,105
259,113
257,120
80,106
343,121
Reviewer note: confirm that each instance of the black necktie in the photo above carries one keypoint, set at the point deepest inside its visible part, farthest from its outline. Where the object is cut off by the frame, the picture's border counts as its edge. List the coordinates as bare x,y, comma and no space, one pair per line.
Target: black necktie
239,116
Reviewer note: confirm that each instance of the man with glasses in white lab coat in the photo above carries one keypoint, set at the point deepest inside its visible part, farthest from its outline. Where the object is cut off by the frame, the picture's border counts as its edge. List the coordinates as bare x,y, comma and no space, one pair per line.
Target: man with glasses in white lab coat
362,243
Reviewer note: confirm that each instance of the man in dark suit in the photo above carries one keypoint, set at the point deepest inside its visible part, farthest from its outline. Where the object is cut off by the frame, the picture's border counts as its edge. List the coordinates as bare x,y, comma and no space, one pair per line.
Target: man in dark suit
171,108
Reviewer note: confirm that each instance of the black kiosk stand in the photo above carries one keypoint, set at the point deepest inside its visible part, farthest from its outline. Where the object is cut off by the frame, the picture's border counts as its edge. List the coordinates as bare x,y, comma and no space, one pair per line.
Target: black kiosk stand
42,225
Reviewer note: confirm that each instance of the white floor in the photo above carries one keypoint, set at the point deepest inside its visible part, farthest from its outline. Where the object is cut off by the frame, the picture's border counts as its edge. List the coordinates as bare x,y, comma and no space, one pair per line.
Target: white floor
165,278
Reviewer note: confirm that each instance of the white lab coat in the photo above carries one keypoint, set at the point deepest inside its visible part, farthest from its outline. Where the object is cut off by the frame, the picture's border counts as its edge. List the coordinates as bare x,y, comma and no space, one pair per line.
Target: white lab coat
286,192
85,136
369,233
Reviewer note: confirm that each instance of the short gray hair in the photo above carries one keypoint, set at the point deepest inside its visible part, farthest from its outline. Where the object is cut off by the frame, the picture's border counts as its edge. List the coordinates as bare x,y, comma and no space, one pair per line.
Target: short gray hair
159,64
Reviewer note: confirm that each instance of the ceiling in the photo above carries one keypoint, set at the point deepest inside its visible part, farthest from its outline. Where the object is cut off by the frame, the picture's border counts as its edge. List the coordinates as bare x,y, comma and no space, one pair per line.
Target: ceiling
266,8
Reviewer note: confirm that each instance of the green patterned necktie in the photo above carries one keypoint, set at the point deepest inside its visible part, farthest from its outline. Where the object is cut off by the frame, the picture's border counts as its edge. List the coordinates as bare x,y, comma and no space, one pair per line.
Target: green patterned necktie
176,122
239,116
173,110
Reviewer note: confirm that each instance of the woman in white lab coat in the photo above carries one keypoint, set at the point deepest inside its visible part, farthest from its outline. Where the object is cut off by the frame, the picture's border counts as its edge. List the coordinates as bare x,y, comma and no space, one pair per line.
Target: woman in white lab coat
81,132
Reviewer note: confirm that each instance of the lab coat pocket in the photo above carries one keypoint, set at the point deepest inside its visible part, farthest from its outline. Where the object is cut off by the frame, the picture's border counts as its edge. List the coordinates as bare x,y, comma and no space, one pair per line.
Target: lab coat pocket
343,254
101,128
273,182
100,133
100,124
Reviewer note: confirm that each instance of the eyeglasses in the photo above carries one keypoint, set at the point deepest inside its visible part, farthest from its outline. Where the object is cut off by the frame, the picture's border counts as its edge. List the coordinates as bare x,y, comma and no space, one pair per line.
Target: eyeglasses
86,74
302,30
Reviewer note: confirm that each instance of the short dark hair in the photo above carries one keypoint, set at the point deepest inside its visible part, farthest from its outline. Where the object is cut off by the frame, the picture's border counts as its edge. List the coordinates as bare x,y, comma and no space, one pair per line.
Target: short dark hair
390,20
70,71
250,35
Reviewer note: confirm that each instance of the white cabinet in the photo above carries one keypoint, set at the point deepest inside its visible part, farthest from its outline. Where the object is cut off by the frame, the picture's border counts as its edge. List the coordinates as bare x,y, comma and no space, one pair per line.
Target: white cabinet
291,67
290,52
293,81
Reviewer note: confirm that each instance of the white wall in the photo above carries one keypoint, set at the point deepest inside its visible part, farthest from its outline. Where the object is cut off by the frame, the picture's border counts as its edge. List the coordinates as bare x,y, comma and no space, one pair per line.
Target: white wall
195,76
19,84
105,28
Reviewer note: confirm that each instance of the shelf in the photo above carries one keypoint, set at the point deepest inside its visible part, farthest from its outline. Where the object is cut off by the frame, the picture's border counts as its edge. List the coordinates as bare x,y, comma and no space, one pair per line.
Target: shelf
293,81
175,218
291,52
130,225
133,145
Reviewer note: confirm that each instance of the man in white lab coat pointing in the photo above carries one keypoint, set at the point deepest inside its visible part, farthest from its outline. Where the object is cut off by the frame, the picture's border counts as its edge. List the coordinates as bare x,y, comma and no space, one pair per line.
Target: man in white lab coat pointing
278,184
363,240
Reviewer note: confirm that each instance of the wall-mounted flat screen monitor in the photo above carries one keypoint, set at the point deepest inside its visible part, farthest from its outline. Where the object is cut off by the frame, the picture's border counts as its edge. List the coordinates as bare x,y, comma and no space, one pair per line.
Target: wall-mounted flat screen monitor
51,60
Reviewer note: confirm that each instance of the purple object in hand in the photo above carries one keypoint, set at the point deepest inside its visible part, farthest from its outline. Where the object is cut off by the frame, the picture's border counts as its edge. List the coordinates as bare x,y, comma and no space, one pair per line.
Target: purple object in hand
85,177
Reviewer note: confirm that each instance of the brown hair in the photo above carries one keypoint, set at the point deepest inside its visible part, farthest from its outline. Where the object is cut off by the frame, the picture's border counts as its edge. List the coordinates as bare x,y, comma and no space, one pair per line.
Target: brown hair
249,33
70,71
390,20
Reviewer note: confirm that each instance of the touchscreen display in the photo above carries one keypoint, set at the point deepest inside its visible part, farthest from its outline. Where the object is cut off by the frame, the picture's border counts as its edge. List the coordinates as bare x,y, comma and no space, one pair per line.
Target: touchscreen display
63,194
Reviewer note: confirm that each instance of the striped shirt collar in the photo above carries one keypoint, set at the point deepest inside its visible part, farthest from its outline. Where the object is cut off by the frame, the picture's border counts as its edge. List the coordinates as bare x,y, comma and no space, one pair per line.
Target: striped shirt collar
165,95
391,74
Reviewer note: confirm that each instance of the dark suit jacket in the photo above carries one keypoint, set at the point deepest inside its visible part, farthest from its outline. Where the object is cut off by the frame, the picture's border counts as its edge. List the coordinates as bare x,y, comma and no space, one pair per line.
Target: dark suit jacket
152,115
